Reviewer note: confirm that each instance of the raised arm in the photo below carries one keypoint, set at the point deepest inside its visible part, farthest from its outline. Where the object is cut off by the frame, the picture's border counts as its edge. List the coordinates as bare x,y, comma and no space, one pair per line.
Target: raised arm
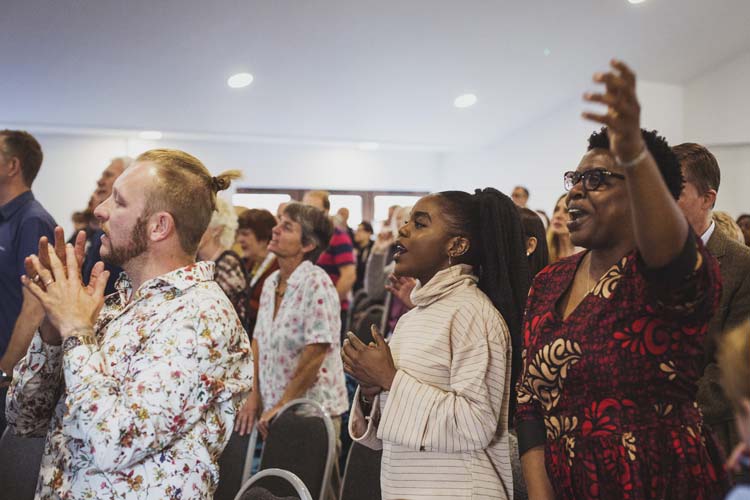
660,227
376,276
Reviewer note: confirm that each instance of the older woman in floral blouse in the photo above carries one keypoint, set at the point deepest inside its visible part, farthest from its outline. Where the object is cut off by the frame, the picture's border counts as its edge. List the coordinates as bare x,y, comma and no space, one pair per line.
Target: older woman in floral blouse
296,338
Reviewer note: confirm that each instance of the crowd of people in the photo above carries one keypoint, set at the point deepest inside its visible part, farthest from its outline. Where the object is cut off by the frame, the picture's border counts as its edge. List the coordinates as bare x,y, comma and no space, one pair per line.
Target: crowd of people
602,353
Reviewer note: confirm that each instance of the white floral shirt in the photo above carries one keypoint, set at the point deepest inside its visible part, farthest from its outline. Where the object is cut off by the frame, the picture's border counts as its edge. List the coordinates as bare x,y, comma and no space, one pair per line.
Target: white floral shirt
309,313
145,412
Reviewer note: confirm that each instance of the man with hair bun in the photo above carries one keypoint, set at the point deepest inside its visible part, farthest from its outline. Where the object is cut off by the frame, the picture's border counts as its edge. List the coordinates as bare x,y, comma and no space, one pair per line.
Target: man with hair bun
137,393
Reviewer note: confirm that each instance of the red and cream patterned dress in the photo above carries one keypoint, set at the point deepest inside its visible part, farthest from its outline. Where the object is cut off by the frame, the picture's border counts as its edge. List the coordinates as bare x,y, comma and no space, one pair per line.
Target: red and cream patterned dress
615,382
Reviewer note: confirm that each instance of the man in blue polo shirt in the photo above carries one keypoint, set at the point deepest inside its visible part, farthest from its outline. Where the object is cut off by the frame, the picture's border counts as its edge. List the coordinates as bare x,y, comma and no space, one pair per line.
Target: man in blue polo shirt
23,221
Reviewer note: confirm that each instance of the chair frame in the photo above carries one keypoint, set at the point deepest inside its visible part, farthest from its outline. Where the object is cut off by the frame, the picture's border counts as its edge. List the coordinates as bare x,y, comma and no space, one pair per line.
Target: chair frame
292,478
250,454
331,440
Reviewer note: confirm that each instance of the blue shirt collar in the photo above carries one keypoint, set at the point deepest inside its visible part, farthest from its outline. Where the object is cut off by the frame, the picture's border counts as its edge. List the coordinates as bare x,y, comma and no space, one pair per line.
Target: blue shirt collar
14,205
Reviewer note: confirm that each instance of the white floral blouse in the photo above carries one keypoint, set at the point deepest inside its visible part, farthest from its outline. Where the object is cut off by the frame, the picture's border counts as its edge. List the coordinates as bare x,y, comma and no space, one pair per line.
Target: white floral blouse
309,313
145,412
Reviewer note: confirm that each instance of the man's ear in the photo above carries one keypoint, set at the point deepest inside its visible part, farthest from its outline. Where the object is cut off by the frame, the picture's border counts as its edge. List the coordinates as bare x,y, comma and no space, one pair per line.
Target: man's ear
161,225
14,167
709,199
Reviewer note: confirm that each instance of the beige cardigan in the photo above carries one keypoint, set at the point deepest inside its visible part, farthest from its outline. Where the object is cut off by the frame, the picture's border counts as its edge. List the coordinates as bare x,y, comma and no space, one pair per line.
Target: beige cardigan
443,426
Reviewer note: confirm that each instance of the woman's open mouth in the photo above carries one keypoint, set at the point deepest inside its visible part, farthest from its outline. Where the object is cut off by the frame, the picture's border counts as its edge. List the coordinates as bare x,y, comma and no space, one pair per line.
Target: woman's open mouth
577,218
400,251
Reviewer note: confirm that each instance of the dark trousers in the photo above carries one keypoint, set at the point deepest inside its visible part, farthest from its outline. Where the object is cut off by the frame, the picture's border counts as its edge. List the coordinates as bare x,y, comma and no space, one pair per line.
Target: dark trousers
3,423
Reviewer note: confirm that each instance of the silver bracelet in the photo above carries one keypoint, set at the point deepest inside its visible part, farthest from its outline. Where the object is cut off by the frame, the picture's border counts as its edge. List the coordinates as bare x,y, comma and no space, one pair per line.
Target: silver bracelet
635,161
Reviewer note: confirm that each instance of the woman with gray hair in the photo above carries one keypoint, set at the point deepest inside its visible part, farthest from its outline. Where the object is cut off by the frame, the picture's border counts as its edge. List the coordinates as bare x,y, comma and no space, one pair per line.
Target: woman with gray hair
215,246
296,351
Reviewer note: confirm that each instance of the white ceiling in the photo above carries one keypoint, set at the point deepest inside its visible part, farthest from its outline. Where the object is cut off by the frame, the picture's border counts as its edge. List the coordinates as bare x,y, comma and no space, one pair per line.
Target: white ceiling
340,70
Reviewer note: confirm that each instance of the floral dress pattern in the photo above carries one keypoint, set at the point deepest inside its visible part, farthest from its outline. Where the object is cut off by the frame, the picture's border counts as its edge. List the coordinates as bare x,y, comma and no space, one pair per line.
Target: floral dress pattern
614,383
231,276
147,410
308,314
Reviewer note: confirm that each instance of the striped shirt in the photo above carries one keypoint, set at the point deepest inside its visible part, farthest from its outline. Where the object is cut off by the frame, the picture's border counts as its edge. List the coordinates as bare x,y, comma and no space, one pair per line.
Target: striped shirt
443,426
340,253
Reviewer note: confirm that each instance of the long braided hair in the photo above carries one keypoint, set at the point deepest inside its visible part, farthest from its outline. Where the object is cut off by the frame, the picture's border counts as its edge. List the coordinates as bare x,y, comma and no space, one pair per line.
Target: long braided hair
497,251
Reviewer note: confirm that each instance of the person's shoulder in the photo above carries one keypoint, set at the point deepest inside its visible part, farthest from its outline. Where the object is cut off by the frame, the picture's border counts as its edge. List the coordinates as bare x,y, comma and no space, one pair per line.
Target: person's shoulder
472,307
206,302
739,252
340,237
317,276
230,257
563,265
36,213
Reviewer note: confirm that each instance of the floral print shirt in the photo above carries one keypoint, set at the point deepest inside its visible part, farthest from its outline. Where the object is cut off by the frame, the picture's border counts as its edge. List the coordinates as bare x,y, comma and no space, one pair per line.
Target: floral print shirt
146,411
309,313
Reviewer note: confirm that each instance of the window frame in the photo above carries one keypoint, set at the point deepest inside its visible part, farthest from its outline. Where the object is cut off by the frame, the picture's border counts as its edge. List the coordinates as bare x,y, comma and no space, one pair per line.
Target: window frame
368,197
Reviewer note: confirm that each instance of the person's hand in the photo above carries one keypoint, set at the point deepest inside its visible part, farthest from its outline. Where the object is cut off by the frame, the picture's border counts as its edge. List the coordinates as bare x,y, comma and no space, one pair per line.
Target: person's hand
401,287
371,365
50,335
740,457
245,420
264,422
370,391
623,117
68,305
383,242
59,250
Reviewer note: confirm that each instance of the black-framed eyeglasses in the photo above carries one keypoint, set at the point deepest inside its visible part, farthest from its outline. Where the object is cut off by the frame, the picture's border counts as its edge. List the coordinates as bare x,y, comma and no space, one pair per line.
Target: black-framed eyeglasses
592,179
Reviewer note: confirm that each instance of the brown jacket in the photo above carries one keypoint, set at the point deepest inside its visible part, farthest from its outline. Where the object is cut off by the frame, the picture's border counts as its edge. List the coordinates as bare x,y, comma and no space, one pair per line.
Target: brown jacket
734,260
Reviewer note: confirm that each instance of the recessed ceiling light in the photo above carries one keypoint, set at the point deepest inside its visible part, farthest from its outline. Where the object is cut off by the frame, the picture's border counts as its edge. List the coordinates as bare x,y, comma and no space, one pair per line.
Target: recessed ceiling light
150,135
636,1
240,80
368,146
464,101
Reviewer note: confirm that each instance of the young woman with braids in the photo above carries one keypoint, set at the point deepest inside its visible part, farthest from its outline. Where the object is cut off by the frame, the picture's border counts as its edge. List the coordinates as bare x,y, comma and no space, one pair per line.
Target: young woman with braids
439,394
614,336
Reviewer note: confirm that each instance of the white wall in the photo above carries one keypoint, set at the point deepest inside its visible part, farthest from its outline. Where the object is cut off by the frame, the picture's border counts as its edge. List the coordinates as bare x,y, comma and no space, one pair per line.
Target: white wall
72,164
536,155
717,108
717,114
734,162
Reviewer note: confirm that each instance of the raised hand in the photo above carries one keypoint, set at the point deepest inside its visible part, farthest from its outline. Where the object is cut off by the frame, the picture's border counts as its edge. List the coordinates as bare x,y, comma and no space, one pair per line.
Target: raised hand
401,287
59,250
384,241
623,117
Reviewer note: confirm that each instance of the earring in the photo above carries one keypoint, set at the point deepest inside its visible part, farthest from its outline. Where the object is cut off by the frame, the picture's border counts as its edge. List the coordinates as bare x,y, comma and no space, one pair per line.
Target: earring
450,262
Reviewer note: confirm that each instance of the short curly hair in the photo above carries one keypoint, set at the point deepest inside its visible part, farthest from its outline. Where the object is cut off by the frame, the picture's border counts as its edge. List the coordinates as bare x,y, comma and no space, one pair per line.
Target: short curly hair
659,148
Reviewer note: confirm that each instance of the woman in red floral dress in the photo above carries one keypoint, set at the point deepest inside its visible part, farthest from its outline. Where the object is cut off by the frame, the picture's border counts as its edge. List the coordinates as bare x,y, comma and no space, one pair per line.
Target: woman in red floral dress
614,335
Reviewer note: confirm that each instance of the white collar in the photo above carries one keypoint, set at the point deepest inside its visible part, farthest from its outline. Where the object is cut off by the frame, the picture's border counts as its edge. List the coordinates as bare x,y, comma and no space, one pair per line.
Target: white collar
707,235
